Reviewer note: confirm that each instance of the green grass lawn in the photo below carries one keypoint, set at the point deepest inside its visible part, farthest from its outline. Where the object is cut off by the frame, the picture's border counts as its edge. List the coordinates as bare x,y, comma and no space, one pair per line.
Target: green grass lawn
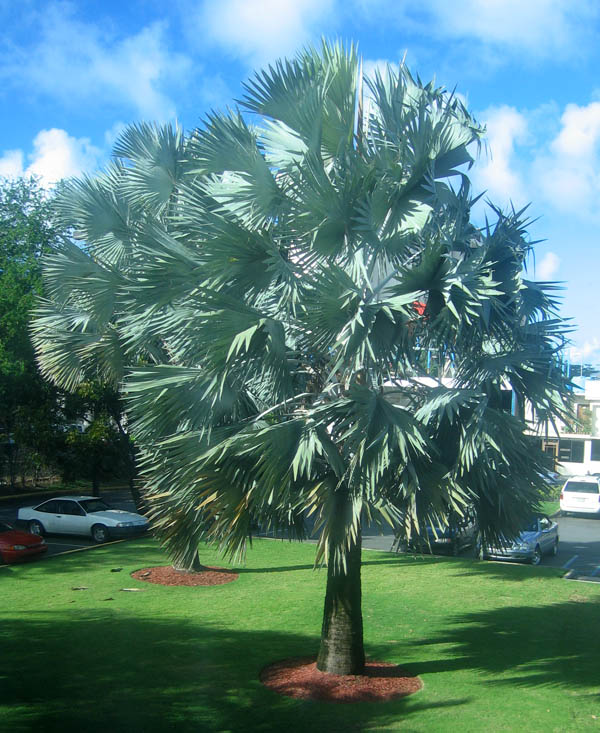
550,507
499,647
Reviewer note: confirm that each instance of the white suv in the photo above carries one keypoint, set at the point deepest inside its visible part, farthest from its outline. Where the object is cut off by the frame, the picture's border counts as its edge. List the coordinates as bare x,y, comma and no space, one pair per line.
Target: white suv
581,494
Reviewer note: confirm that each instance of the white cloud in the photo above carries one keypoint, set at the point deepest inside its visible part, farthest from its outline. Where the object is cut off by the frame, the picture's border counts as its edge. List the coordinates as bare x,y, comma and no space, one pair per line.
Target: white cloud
55,155
540,28
580,130
506,127
588,350
370,66
111,135
262,30
11,164
545,156
567,170
590,347
80,63
548,266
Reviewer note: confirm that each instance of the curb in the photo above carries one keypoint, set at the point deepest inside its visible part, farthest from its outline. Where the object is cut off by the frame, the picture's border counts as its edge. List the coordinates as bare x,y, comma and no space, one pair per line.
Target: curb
572,575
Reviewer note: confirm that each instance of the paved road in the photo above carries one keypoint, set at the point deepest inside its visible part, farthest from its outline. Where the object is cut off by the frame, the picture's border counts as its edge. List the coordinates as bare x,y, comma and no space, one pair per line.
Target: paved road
579,548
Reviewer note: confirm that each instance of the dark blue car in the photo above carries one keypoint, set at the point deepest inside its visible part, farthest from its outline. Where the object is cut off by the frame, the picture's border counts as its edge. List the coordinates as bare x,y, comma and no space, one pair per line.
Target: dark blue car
452,539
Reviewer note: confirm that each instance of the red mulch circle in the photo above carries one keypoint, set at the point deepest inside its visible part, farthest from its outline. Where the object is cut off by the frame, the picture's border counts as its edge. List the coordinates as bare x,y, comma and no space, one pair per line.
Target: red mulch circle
167,575
300,678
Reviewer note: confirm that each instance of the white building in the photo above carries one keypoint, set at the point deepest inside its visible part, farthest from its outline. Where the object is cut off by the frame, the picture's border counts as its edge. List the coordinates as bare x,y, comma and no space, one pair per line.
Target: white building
578,452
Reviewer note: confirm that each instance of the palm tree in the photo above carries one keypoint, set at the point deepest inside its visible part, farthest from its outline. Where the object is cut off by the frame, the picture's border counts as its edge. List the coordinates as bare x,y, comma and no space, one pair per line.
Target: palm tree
267,291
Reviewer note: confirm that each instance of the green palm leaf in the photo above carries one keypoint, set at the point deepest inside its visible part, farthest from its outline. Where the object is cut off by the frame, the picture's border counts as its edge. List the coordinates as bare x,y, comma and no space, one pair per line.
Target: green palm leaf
271,287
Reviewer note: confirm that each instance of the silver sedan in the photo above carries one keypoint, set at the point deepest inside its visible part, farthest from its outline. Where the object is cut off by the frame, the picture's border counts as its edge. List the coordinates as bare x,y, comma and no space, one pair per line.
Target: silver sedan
539,537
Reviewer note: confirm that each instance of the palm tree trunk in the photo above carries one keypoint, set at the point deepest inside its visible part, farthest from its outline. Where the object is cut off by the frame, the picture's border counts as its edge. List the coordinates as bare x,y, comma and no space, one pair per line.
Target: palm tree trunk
95,480
190,566
135,494
342,650
12,460
132,462
195,566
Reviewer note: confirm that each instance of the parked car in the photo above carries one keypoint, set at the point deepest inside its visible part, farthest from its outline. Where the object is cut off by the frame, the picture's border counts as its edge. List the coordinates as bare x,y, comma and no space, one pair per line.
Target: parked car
17,546
82,515
581,494
539,537
461,532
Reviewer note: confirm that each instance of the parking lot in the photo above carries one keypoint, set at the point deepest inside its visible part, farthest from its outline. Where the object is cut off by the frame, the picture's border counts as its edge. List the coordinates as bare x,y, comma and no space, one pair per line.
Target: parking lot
579,548
60,544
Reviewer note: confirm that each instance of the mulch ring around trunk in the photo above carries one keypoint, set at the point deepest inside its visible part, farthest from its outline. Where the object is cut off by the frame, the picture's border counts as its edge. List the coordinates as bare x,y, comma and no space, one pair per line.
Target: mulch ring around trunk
300,678
167,575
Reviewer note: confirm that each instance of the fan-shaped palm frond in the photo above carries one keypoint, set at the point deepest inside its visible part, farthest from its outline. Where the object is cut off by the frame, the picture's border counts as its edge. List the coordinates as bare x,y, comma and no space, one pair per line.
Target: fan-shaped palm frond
272,284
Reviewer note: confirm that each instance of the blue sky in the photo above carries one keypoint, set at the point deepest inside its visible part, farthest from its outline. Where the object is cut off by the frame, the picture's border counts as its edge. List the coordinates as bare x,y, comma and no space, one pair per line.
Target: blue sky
72,74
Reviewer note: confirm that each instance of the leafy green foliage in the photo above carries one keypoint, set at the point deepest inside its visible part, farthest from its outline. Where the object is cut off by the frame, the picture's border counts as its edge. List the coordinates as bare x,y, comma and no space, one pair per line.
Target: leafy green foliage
37,419
29,413
25,235
99,448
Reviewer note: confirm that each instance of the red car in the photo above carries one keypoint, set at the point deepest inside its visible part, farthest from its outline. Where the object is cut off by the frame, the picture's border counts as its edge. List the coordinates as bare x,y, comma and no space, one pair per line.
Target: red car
16,545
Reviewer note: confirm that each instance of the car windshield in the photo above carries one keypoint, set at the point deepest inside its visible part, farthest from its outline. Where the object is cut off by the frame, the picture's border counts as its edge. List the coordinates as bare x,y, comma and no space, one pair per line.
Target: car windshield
531,525
582,487
436,528
4,527
94,505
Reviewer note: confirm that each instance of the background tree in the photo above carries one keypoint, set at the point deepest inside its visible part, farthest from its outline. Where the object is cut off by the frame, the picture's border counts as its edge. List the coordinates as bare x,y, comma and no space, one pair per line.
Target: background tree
278,284
37,420
101,448
29,409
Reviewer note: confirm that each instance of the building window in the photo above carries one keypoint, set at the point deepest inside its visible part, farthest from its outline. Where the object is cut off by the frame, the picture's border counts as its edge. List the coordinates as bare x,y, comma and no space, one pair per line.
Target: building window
570,451
595,450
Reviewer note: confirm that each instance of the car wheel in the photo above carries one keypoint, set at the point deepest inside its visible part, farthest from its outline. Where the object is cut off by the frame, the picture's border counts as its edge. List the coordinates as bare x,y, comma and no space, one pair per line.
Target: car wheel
99,533
555,548
537,556
36,527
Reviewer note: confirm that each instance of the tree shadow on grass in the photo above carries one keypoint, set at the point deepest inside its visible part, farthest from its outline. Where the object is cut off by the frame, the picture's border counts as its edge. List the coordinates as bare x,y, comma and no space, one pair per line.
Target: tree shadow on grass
508,571
102,669
528,646
392,560
146,551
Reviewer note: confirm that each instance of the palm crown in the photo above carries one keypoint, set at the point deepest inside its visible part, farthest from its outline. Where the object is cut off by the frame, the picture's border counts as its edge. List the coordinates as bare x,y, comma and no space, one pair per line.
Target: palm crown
268,292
